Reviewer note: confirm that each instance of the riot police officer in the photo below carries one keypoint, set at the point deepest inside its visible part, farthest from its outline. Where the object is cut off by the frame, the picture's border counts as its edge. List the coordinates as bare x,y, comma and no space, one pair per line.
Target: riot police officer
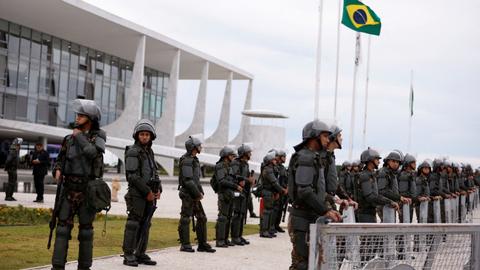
243,176
227,190
282,202
422,188
387,179
345,178
144,189
369,199
271,192
437,184
406,183
307,189
79,161
191,193
369,196
11,165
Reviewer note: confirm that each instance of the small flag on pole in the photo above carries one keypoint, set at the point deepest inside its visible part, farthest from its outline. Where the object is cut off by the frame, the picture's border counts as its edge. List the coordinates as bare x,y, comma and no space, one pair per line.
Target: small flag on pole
360,18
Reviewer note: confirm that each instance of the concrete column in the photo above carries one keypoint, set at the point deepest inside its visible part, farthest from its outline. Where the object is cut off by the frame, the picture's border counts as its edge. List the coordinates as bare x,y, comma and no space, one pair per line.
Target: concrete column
219,138
123,126
165,126
44,142
245,122
198,122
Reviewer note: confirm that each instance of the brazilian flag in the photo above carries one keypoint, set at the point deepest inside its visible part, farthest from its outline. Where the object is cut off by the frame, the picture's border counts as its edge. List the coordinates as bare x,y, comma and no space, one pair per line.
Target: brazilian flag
360,18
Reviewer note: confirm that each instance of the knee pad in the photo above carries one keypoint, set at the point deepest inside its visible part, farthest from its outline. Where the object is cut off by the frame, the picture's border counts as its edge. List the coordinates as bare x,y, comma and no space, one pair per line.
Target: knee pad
184,220
63,231
132,225
222,219
85,235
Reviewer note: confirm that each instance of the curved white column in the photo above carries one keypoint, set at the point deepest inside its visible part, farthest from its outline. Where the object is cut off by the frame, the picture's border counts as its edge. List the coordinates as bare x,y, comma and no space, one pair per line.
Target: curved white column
123,126
245,122
198,122
219,138
165,126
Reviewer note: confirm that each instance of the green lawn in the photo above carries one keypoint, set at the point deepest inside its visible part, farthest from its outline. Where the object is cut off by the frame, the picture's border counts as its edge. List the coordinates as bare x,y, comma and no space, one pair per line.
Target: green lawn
26,246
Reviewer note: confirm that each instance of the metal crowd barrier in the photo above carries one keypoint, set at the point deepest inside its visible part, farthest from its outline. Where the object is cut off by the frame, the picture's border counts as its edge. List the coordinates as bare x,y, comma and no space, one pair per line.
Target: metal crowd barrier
445,246
392,245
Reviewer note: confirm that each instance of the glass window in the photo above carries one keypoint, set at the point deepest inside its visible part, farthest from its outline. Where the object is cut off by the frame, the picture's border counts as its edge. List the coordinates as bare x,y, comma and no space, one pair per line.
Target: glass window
152,105
56,51
158,108
106,66
3,25
36,45
34,77
25,42
21,108
146,102
23,75
52,113
42,112
10,104
32,109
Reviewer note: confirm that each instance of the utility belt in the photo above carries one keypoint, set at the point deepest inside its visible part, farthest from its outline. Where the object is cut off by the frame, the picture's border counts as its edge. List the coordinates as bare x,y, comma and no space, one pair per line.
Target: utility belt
302,212
76,183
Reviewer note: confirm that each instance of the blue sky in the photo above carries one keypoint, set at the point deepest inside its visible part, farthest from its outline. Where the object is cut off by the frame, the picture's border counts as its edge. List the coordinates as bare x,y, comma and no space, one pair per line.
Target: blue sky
276,41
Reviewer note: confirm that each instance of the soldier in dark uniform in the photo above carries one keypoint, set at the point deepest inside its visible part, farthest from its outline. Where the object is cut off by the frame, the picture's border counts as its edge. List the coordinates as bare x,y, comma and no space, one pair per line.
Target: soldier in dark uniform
281,174
241,171
271,191
144,188
40,161
80,160
307,190
11,166
191,193
407,183
387,180
369,199
345,178
422,189
227,189
438,185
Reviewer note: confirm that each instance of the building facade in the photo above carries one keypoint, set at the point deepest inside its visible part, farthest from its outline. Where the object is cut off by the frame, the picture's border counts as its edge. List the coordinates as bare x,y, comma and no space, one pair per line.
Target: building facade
40,73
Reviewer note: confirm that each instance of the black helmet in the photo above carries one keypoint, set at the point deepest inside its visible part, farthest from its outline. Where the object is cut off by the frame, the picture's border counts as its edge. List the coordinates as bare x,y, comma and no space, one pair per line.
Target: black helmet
424,164
369,155
335,130
192,143
395,155
356,163
244,149
280,153
87,107
144,125
269,157
408,159
312,130
346,164
226,151
437,163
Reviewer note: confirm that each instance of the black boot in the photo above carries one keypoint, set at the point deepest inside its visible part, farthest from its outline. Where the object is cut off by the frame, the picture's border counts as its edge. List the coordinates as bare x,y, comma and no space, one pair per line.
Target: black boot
187,248
245,241
145,259
279,229
205,247
238,241
130,260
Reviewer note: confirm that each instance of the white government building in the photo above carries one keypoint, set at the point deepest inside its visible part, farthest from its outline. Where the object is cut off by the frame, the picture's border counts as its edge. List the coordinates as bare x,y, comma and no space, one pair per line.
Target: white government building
52,51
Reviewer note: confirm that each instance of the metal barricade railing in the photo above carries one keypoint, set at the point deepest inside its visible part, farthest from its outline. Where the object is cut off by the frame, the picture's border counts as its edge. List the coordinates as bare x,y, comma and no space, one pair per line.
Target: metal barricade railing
445,246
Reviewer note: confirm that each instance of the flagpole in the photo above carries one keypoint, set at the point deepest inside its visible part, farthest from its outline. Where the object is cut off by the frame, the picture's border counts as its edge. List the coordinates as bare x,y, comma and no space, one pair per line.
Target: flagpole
366,93
410,113
355,71
317,66
338,59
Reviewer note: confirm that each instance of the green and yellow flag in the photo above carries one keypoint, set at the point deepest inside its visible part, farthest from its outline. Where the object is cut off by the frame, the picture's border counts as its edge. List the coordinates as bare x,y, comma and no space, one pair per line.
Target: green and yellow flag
360,17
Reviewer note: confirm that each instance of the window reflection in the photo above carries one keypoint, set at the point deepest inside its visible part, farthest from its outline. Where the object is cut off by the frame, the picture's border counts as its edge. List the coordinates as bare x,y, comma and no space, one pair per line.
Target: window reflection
40,74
